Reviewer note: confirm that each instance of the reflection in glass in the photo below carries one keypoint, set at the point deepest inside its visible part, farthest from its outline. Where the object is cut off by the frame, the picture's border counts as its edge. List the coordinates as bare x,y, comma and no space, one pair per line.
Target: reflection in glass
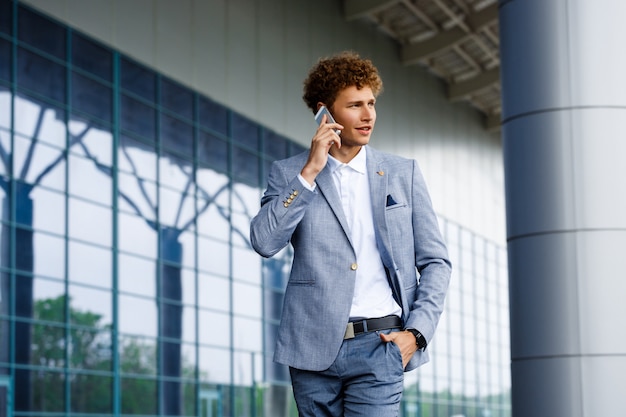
214,365
83,225
137,195
91,393
42,121
45,289
49,215
88,182
213,328
91,98
213,292
137,157
176,208
137,117
50,250
47,394
177,136
90,306
38,164
137,236
213,256
136,275
6,60
213,116
245,132
212,152
137,79
92,57
137,316
48,37
246,265
246,166
39,75
176,98
137,396
247,334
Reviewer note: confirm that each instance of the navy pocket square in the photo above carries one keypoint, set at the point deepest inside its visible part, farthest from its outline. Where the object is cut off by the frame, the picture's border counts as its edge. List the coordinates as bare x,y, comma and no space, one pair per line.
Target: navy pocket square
390,201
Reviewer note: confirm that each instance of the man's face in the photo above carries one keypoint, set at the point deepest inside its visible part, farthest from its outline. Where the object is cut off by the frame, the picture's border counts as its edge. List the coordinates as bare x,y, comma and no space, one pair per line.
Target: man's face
354,109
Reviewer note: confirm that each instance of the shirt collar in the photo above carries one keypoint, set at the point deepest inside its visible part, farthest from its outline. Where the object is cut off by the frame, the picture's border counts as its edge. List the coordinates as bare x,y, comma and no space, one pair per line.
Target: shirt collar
358,163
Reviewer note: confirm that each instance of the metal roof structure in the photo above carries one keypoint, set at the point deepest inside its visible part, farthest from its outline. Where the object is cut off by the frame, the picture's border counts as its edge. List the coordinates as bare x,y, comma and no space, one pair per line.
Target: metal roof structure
456,40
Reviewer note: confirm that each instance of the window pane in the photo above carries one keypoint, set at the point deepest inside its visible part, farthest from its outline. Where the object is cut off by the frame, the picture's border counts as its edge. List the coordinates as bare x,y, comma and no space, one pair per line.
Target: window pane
246,299
6,59
246,166
50,259
137,157
177,98
176,173
91,97
90,222
90,264
274,146
213,116
137,316
43,122
245,132
175,209
49,213
91,393
213,256
90,349
6,119
91,57
214,328
137,79
214,365
6,17
137,275
88,182
177,136
137,117
39,163
40,75
40,32
139,396
136,235
137,355
90,307
212,152
47,388
213,292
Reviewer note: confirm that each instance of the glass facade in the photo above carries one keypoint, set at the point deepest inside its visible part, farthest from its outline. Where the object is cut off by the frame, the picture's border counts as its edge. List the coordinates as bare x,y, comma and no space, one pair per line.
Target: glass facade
127,282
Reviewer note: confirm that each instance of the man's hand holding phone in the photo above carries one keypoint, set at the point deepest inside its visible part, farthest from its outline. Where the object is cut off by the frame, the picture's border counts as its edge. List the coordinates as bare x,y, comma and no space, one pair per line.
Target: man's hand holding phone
324,139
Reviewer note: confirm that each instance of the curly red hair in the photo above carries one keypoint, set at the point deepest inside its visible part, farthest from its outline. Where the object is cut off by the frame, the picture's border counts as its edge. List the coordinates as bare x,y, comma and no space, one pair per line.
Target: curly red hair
333,74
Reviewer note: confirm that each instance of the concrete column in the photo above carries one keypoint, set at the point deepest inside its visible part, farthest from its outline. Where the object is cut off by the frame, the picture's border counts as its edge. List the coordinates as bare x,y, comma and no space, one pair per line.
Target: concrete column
564,138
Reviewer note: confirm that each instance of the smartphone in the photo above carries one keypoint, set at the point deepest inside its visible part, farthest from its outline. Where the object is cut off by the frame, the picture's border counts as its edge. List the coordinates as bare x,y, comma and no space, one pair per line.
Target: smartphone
329,117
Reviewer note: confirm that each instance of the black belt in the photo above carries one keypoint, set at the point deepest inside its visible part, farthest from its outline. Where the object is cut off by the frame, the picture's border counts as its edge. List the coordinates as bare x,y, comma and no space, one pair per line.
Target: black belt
356,328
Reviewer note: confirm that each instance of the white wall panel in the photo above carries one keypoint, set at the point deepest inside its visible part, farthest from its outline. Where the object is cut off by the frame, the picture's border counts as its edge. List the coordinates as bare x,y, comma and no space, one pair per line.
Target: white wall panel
253,56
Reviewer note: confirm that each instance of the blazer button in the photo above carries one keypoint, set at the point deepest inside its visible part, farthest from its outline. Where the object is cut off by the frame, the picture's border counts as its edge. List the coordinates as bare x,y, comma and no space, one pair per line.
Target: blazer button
354,267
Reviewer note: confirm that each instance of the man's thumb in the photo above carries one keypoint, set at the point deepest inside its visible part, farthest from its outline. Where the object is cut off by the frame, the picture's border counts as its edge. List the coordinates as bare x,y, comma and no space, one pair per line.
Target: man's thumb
385,337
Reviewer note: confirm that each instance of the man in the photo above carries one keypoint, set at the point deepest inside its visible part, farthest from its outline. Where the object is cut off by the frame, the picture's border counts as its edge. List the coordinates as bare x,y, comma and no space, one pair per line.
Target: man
362,226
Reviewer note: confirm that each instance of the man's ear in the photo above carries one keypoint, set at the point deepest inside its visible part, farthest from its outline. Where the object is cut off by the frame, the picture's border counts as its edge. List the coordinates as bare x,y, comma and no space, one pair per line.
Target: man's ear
319,104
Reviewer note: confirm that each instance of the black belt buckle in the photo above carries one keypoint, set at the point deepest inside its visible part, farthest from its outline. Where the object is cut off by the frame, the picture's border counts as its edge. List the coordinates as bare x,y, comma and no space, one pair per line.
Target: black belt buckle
355,328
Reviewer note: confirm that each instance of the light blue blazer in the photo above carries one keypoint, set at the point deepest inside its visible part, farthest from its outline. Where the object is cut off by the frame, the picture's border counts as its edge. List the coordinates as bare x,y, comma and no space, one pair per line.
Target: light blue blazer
319,292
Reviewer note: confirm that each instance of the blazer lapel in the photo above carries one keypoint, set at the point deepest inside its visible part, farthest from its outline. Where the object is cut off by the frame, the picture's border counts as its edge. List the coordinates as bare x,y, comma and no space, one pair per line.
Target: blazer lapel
327,188
378,178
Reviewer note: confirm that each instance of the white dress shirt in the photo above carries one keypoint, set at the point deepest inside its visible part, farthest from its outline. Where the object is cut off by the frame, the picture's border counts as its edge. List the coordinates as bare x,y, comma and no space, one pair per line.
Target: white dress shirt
372,294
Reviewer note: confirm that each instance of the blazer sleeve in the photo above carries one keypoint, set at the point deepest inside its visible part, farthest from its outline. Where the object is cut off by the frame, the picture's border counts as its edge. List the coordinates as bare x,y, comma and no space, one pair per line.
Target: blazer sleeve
283,205
431,260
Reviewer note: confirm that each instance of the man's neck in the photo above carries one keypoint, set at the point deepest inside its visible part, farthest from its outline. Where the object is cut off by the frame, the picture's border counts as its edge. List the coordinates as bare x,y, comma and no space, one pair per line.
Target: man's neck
345,154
